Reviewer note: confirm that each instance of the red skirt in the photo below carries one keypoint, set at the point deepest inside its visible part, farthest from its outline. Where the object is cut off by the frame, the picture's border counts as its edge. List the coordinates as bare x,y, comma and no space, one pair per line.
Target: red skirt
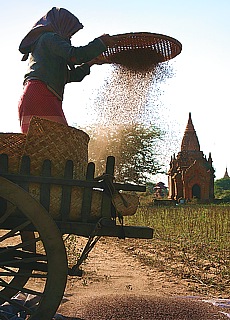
38,100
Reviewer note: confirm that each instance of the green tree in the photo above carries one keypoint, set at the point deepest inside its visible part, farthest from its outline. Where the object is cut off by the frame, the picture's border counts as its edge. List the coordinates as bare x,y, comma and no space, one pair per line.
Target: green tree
133,146
222,189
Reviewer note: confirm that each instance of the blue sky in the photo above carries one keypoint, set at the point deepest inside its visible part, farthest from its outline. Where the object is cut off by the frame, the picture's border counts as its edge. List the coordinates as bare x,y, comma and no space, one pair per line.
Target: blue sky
200,84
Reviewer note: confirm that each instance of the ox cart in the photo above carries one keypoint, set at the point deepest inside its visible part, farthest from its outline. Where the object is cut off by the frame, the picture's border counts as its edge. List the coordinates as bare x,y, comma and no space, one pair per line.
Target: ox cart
32,249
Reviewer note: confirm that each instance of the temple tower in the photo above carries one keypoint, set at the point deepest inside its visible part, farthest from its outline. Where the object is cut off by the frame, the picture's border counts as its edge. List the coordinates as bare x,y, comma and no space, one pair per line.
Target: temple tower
226,175
191,175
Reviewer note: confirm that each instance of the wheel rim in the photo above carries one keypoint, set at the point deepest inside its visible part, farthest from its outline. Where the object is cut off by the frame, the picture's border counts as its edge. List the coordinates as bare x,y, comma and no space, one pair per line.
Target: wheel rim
22,268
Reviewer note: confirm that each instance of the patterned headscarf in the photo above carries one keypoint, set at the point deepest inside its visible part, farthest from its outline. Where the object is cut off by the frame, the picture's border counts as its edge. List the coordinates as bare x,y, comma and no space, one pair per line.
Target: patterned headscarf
57,20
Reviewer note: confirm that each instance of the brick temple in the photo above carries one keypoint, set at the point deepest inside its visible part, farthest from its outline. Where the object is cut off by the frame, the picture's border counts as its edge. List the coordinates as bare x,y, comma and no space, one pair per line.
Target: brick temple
191,175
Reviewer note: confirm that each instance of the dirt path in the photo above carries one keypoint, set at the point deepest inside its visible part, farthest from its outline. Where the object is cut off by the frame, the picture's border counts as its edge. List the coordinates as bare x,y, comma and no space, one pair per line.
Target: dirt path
116,285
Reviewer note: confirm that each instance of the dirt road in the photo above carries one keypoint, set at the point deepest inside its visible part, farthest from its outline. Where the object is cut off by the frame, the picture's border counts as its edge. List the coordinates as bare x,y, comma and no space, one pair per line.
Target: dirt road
116,285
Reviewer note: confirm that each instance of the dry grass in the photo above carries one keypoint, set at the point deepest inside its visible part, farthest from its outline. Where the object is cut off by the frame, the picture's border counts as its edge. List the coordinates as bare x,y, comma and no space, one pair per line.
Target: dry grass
191,242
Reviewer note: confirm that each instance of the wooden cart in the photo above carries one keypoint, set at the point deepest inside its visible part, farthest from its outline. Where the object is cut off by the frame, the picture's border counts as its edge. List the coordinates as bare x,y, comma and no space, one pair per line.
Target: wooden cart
32,250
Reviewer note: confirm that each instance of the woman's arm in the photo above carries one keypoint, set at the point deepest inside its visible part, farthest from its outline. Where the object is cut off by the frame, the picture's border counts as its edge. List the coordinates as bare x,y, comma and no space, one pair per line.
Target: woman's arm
78,73
81,54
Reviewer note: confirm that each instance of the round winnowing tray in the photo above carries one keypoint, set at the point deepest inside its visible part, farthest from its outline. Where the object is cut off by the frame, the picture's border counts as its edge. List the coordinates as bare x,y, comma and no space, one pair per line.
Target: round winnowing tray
141,50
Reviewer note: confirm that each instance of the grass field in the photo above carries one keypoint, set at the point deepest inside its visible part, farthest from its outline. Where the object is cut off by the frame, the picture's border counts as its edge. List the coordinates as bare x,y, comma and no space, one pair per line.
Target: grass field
191,242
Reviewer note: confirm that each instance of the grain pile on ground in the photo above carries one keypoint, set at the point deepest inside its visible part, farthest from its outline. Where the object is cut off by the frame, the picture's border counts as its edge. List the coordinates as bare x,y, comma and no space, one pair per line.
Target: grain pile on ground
118,307
116,283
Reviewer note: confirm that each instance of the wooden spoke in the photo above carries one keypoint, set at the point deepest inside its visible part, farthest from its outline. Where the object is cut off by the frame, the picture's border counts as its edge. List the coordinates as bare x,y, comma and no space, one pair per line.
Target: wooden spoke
13,232
21,274
16,304
7,214
20,261
25,290
21,245
29,262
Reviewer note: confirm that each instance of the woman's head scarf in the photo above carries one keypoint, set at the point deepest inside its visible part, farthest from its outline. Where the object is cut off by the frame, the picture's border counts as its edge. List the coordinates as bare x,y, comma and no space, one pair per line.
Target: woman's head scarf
57,20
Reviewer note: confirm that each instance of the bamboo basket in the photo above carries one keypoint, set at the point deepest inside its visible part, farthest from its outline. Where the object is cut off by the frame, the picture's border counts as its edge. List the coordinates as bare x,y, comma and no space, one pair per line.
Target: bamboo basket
126,204
58,143
140,51
12,144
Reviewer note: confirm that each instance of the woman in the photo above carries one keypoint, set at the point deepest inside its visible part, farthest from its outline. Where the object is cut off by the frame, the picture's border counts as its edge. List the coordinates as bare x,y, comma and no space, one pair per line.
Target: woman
52,64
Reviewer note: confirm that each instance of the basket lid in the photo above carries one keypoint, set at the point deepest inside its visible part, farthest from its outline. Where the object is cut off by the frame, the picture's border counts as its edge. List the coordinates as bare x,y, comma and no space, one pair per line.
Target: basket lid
141,50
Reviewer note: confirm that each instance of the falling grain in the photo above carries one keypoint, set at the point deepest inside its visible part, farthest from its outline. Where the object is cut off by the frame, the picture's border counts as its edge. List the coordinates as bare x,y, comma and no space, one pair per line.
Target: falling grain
130,96
126,94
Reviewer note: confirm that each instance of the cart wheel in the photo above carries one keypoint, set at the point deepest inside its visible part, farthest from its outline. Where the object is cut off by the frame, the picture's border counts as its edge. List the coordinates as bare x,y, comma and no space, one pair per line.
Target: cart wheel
32,254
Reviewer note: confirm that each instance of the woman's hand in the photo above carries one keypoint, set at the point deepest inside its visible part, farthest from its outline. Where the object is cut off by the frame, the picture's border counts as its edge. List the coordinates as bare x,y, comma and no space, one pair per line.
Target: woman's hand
97,60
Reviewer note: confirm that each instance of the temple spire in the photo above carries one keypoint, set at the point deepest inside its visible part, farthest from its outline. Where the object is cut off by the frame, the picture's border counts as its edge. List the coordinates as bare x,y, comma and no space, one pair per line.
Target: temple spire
226,174
190,141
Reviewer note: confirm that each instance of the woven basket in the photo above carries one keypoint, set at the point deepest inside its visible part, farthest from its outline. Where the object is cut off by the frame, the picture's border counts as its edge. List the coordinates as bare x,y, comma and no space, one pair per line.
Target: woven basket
75,202
125,204
57,142
141,50
13,144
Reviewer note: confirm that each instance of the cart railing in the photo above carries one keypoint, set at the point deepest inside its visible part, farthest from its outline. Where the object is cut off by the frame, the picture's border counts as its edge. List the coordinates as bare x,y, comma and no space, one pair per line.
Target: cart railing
104,225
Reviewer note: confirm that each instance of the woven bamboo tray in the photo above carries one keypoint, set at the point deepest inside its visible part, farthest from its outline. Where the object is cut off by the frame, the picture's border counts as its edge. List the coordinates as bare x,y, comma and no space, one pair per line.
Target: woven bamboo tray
141,50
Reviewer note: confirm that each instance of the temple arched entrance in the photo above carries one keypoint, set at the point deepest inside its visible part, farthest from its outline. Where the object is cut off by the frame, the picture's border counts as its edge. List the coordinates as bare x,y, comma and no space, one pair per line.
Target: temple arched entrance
196,192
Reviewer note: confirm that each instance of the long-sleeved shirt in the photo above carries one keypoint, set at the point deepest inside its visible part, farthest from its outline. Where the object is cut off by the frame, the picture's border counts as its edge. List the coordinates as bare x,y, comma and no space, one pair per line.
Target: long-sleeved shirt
51,57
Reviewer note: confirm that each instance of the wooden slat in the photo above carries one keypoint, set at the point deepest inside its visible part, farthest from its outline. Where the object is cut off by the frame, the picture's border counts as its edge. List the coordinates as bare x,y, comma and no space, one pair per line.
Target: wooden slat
106,200
66,192
3,163
87,195
110,230
24,170
107,228
45,188
60,181
3,169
